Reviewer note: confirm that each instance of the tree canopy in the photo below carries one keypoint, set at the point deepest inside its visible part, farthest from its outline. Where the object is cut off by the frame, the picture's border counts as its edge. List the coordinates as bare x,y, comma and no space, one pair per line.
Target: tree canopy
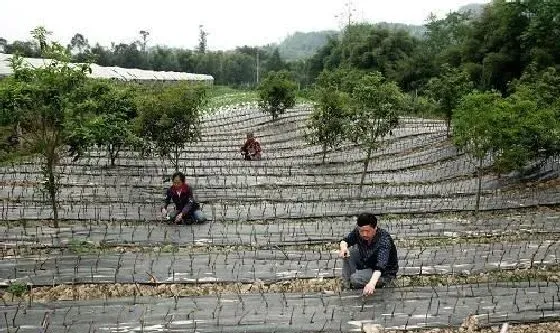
277,92
171,118
43,101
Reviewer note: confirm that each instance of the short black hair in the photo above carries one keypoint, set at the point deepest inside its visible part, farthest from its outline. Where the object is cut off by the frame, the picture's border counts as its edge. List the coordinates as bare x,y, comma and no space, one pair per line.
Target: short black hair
365,219
180,174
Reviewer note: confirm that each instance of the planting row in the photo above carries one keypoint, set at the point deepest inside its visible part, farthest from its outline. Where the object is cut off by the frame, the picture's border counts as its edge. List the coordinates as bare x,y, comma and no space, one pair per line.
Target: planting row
169,264
393,308
280,233
265,210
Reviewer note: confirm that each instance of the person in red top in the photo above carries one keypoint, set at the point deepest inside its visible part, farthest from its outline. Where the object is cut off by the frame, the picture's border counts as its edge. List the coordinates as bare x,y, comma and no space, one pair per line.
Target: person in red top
251,150
187,210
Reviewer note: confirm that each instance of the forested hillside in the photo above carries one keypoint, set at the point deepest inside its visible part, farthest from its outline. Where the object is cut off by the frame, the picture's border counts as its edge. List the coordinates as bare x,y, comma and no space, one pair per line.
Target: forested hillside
493,46
302,45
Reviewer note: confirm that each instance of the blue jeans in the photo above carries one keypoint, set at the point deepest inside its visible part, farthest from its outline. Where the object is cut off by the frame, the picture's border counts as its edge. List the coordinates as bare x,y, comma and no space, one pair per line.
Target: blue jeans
194,216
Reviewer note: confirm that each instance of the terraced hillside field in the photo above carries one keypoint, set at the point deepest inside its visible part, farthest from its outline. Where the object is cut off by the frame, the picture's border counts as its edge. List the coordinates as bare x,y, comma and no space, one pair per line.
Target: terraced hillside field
268,260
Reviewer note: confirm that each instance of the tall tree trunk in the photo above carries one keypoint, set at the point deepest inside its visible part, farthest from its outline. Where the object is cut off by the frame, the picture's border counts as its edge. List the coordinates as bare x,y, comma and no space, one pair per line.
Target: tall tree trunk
176,159
51,186
112,157
114,153
324,153
364,172
479,190
19,134
448,127
51,159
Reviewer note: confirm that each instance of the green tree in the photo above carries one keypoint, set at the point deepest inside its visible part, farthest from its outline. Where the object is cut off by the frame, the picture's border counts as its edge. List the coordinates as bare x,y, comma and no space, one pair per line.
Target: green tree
542,86
24,49
171,118
447,90
527,134
328,121
446,37
420,106
45,98
163,59
495,44
535,101
371,48
104,118
318,62
376,103
277,92
15,97
542,35
110,131
78,43
414,73
129,56
510,132
343,79
202,40
275,63
238,69
40,35
80,48
477,123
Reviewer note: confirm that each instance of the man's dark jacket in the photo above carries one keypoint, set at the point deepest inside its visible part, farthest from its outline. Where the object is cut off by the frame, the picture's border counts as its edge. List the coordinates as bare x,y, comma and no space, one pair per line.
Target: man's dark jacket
380,255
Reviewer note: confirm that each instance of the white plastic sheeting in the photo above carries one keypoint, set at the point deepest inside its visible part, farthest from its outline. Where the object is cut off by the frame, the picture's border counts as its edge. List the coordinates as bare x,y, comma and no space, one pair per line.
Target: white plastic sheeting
126,74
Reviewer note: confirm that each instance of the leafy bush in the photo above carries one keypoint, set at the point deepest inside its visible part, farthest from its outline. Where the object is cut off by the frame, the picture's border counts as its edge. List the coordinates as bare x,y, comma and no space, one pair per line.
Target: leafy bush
277,92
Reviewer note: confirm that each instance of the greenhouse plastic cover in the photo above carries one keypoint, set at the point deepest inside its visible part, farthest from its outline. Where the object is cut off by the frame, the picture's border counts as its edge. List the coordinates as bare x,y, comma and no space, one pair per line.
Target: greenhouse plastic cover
100,72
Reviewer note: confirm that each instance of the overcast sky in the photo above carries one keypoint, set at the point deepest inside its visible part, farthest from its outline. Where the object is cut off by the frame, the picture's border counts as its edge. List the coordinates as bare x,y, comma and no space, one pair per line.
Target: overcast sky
229,22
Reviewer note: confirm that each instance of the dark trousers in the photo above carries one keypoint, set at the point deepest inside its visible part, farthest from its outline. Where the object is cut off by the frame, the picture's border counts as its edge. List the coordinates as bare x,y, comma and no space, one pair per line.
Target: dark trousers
246,155
194,216
355,276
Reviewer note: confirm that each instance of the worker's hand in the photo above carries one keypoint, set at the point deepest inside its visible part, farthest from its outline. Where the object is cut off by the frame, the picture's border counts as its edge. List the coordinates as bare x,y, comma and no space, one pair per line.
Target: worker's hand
368,289
179,217
343,253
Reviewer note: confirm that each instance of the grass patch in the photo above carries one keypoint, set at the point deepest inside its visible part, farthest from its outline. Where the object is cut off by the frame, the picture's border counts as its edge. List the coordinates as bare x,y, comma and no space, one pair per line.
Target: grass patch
169,248
220,96
78,246
14,157
17,289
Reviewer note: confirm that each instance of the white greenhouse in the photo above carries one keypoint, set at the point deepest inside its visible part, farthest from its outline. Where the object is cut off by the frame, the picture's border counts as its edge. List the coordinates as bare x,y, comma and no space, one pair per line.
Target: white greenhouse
116,73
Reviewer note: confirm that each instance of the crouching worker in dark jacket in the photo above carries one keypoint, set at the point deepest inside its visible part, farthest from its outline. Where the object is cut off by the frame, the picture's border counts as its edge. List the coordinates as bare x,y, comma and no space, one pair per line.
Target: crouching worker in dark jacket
370,256
251,150
187,210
